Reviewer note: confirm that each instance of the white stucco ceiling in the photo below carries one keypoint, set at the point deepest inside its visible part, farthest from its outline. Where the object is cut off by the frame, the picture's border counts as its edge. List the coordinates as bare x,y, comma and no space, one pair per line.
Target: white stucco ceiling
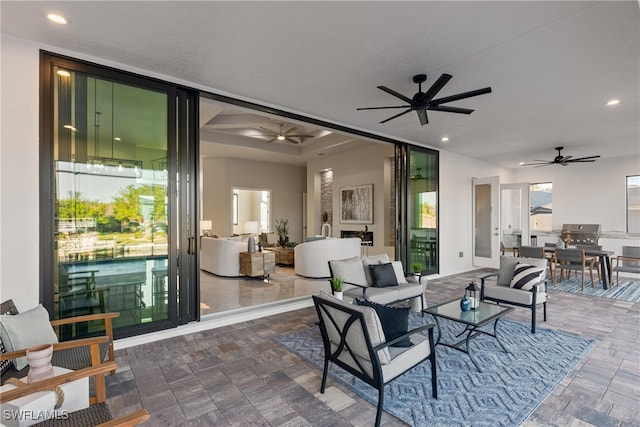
552,65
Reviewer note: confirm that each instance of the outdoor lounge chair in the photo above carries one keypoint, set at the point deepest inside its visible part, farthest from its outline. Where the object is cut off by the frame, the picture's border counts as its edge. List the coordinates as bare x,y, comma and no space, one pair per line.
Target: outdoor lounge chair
354,340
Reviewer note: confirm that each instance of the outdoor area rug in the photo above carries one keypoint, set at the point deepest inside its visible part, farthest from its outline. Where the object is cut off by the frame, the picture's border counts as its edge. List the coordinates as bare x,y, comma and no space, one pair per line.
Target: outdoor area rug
626,291
511,386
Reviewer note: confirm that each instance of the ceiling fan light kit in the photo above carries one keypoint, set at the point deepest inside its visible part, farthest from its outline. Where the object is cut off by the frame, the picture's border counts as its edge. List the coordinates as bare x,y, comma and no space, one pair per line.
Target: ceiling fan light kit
285,135
423,101
561,160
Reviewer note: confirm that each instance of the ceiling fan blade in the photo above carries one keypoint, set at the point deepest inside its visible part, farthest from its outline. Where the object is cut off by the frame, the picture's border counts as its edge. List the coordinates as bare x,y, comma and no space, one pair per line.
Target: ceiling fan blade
269,130
450,109
397,115
539,166
461,96
537,162
396,94
380,108
293,141
299,136
582,161
422,115
271,140
565,159
435,88
588,158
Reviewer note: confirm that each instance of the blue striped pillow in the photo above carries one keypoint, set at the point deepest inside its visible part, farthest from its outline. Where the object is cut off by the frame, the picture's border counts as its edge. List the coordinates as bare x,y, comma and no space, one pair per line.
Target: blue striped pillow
525,276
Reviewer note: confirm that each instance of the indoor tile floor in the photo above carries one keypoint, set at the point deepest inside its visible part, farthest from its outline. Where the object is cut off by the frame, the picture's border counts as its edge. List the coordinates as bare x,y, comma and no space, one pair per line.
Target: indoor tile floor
237,375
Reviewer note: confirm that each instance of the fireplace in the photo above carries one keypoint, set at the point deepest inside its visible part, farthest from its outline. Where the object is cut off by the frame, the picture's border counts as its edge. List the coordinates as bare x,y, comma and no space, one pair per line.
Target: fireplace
366,236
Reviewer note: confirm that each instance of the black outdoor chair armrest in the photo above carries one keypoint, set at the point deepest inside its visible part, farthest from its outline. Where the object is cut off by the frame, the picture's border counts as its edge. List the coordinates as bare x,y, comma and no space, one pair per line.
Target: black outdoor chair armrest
483,278
429,326
535,287
355,284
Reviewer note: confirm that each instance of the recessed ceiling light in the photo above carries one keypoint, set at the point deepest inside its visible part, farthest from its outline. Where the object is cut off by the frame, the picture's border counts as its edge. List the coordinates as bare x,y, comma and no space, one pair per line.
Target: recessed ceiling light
117,138
613,102
63,73
445,139
58,19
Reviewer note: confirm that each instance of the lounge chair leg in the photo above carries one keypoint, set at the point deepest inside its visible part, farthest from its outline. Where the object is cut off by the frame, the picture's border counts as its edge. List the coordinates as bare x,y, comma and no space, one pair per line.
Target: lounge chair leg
380,402
544,310
324,375
533,319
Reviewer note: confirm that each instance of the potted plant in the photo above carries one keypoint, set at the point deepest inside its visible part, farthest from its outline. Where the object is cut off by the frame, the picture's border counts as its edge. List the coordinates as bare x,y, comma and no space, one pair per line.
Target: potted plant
282,230
336,287
416,267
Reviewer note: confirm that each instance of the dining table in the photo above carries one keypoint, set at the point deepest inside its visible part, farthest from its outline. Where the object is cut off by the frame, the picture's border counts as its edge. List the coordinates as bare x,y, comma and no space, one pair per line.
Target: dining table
605,262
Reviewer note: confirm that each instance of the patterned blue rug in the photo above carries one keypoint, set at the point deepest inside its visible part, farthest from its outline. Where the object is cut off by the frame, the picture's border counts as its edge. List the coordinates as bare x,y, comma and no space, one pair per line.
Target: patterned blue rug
626,291
509,389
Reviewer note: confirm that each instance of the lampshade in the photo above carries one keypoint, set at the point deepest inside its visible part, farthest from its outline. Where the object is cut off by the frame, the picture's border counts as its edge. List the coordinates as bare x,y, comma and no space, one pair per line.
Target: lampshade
251,227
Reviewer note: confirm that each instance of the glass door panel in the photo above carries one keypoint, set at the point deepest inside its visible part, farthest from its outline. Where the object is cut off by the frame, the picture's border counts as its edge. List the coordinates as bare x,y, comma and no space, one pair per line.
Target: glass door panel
110,199
422,211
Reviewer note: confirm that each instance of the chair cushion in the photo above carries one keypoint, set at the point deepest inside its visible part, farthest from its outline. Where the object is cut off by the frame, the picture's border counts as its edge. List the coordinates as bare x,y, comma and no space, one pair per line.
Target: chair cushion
508,264
513,295
349,270
395,320
355,338
525,276
397,267
383,275
379,295
24,330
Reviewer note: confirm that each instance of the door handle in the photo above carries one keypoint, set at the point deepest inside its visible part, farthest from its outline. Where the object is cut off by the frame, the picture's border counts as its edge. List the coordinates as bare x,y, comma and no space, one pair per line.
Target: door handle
191,245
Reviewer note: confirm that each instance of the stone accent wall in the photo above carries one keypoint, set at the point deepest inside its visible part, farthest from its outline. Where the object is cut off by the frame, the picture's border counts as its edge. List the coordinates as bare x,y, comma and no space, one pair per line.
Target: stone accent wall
326,197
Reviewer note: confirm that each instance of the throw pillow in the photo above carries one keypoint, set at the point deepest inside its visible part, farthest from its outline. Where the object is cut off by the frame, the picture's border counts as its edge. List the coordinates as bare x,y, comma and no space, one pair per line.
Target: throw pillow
372,260
24,330
399,270
383,275
525,276
5,365
350,270
394,320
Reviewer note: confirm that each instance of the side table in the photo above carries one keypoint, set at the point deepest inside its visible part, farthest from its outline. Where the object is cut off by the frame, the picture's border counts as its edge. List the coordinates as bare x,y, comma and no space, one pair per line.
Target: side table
256,264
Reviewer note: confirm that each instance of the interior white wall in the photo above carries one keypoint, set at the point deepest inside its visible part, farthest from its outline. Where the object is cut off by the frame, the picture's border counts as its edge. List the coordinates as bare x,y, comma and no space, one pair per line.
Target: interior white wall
287,183
355,167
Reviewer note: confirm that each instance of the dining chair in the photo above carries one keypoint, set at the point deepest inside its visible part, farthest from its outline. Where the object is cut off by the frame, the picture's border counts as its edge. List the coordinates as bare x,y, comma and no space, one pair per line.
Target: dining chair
595,258
628,262
572,260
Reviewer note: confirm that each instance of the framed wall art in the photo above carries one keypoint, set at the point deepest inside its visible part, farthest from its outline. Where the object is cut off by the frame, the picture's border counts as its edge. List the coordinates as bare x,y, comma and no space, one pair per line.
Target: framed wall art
356,204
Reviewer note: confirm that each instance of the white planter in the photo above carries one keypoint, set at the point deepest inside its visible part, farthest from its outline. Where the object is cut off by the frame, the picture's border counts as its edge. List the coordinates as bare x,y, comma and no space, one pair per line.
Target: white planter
337,294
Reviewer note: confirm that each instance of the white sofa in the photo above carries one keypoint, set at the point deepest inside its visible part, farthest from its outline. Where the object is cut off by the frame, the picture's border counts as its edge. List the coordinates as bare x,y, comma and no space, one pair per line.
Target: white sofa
312,258
221,256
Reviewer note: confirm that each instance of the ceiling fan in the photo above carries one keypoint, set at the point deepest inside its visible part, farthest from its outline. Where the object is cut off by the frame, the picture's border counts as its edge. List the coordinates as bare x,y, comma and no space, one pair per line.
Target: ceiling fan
561,160
423,101
286,135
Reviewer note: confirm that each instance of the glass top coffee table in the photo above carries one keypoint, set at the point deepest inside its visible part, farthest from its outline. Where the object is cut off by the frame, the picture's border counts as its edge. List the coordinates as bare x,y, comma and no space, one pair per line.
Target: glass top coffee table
473,320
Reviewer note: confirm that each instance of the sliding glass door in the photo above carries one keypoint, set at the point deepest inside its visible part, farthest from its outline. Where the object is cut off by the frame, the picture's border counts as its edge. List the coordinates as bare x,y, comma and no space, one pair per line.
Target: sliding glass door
418,208
115,222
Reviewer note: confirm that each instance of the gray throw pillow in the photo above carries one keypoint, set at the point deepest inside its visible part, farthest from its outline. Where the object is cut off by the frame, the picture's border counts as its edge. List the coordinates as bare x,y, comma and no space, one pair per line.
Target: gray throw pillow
24,330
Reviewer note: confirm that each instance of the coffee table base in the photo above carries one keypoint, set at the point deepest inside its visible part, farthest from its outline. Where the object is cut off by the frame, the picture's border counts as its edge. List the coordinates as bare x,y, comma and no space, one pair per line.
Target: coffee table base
472,332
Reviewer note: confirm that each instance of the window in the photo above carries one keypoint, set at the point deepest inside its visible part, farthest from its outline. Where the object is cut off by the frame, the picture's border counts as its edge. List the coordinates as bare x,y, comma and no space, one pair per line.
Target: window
633,204
541,208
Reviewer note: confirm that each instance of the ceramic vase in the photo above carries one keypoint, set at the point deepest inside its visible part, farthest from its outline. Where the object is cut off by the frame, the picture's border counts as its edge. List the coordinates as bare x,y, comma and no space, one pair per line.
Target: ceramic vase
337,294
465,303
39,359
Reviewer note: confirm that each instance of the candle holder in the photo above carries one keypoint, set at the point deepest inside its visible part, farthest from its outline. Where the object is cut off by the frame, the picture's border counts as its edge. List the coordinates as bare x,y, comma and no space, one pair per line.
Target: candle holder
471,292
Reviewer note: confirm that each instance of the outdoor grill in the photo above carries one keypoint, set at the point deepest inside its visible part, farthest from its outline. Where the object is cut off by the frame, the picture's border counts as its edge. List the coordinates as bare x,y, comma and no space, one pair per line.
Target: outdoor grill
580,234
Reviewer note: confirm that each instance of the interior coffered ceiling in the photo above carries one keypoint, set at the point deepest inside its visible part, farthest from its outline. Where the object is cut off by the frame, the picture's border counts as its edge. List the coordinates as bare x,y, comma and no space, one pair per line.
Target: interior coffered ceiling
552,66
